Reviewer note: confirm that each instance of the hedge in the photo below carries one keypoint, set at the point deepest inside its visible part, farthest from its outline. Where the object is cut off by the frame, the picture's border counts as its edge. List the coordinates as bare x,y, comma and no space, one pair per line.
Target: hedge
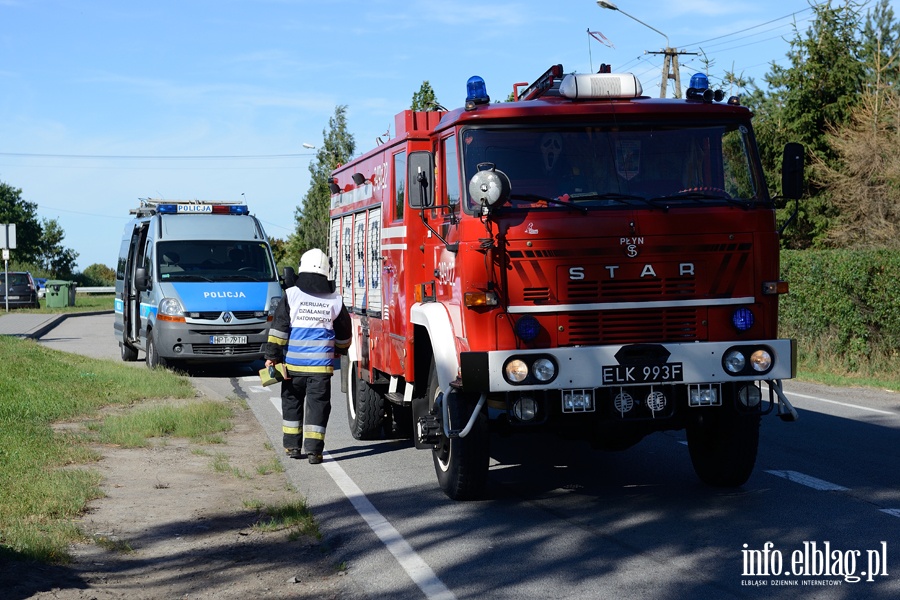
843,308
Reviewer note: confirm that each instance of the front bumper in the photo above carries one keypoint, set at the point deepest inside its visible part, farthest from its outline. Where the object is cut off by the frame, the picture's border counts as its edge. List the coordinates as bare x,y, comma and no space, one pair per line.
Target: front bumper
190,342
590,367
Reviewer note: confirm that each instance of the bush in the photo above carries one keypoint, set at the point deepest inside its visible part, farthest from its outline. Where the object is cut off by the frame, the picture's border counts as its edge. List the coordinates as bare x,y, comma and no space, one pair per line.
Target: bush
843,308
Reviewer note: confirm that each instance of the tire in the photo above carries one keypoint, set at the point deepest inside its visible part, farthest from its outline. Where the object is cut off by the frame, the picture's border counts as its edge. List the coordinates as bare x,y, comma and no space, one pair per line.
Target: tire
365,407
154,360
129,353
461,464
723,446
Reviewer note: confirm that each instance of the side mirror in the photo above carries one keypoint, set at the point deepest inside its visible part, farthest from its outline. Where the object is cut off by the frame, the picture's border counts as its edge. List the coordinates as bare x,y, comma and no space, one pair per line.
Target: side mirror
141,280
288,278
792,170
420,179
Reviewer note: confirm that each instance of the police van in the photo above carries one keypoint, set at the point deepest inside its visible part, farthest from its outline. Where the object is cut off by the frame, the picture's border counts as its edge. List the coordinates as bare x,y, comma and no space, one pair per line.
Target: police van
195,282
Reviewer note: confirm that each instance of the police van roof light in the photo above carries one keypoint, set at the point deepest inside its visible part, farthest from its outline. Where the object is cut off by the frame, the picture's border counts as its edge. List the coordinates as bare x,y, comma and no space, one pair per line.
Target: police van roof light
205,208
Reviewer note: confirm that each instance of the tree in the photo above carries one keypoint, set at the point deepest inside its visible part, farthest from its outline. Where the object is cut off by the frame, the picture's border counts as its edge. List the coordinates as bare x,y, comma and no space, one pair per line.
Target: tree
880,51
14,209
424,99
98,275
312,218
816,92
53,256
865,183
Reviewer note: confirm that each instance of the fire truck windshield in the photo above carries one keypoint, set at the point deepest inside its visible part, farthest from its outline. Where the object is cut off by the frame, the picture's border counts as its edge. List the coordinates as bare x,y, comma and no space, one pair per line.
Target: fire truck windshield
608,167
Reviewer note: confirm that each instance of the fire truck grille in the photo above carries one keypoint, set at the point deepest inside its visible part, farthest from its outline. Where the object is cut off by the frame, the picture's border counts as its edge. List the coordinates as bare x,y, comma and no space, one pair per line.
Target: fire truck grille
226,350
631,289
536,295
631,326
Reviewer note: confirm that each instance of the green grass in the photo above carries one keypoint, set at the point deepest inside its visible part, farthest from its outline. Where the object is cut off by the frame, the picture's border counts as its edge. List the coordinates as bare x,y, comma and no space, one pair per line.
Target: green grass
292,516
198,421
38,498
83,303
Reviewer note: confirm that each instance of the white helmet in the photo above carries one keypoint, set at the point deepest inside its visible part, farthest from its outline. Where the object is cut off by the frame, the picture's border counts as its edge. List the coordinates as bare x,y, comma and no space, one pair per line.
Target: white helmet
315,261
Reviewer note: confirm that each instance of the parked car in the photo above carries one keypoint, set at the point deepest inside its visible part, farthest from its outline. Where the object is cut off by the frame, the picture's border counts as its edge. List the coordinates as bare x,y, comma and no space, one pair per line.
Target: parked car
41,284
19,289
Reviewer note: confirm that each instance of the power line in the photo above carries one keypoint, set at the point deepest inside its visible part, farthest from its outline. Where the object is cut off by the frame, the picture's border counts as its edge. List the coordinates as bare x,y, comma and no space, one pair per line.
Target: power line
160,157
750,28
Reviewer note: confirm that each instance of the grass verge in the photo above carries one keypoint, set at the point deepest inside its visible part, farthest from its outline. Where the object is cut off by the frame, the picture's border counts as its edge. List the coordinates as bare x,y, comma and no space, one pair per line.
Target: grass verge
38,387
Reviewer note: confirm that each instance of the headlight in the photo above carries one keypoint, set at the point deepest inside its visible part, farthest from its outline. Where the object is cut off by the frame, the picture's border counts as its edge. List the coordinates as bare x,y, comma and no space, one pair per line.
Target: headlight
544,369
515,371
734,361
170,307
761,361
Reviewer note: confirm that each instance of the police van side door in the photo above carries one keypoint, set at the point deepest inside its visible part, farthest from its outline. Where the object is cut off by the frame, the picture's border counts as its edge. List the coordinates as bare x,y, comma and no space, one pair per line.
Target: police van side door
132,296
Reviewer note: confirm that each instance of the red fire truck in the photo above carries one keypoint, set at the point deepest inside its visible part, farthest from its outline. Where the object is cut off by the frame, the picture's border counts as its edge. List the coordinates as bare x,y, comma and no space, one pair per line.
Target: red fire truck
585,261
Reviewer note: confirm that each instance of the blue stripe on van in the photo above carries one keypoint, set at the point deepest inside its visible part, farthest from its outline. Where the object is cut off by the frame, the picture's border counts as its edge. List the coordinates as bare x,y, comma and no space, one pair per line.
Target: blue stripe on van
222,295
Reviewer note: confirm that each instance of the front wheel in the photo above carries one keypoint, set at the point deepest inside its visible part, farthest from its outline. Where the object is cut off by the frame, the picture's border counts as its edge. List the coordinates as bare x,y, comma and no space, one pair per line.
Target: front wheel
461,463
723,445
154,360
365,407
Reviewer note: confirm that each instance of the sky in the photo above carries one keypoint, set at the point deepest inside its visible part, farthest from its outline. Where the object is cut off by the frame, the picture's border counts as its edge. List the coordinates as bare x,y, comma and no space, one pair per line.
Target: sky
103,102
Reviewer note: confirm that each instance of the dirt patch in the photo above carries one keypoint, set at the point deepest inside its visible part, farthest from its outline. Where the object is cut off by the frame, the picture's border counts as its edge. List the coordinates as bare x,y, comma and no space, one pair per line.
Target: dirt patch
173,526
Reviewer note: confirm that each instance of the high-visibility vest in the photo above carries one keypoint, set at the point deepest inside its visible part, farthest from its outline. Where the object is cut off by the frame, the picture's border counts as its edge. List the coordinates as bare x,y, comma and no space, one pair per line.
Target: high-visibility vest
310,348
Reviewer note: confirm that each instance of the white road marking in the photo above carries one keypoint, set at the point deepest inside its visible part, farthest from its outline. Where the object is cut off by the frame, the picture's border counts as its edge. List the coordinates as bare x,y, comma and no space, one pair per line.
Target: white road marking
894,512
809,481
844,404
417,569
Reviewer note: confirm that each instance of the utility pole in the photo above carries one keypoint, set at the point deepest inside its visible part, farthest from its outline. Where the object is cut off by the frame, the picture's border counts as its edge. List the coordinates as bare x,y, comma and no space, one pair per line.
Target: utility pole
670,69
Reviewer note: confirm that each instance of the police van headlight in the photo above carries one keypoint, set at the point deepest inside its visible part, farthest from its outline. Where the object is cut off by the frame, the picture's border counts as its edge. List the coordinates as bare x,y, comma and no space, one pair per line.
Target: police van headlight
170,307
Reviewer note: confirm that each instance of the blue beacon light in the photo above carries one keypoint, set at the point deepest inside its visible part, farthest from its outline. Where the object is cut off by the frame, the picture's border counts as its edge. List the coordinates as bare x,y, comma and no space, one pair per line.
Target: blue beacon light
476,92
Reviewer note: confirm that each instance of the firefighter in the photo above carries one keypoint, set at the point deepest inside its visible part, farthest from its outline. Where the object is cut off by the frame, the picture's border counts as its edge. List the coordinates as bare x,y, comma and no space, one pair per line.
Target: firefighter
311,324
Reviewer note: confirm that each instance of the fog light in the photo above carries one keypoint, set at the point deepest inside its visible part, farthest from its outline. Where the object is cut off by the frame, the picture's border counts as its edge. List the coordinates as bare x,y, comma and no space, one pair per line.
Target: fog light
178,348
750,396
734,361
544,369
577,401
515,371
525,408
656,401
761,361
704,396
623,402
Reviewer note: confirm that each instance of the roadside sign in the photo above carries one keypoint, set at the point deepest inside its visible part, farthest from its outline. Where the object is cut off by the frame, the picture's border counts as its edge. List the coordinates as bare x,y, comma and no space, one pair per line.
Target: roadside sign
8,236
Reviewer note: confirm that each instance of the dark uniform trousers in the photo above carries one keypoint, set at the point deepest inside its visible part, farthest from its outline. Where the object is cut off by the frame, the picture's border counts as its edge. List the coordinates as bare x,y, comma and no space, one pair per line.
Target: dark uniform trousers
312,413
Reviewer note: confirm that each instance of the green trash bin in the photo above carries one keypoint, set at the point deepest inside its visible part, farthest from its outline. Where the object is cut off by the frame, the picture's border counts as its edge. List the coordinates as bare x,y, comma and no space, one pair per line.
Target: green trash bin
58,293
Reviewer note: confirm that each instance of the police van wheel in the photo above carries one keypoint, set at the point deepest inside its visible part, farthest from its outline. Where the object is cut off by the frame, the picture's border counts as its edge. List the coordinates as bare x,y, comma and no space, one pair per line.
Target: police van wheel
129,352
154,360
723,445
365,407
461,463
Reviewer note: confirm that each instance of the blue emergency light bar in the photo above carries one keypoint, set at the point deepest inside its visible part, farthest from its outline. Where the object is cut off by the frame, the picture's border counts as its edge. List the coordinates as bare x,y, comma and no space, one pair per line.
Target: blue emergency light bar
202,209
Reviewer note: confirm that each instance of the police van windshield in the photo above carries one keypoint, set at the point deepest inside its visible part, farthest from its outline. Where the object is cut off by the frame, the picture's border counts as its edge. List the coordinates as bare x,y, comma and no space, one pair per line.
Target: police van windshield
662,164
214,260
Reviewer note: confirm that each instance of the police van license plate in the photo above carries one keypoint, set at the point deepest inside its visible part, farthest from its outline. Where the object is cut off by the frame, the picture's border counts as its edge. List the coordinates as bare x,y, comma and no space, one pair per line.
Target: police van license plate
228,339
635,375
